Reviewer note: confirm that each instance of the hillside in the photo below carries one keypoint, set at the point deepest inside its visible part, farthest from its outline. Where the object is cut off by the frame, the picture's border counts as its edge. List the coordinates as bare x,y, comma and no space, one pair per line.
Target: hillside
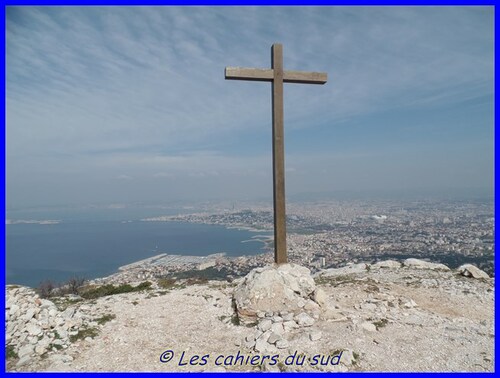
383,317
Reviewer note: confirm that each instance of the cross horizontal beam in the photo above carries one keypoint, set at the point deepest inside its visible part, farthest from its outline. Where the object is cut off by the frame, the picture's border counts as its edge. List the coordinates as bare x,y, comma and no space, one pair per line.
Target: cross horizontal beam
258,74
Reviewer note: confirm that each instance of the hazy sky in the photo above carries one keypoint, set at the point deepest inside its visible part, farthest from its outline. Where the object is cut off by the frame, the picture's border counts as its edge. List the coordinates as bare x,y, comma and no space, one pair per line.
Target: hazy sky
117,104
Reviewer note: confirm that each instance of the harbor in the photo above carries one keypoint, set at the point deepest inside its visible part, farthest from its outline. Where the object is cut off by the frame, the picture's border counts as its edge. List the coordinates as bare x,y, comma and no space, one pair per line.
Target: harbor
172,260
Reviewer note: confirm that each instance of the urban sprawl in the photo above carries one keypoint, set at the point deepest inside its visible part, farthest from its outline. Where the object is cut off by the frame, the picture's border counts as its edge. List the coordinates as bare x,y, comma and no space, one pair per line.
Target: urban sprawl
335,233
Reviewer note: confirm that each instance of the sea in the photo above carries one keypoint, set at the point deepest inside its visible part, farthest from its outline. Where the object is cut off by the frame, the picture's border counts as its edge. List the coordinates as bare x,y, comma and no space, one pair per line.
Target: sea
78,247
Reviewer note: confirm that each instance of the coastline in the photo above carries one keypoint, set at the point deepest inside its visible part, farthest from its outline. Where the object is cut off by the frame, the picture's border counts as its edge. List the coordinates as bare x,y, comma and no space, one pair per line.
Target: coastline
112,250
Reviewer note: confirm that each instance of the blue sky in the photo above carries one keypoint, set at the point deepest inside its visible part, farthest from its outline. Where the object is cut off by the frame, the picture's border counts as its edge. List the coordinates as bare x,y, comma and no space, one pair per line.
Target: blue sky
124,104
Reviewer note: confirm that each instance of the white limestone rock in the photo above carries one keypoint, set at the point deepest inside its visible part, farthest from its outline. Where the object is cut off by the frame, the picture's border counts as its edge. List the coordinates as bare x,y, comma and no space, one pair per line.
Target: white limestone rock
26,350
347,357
348,269
315,335
14,310
23,361
46,304
249,342
264,336
331,313
29,314
410,303
320,296
262,346
278,328
369,327
265,324
311,306
273,289
388,264
33,330
421,264
303,319
282,344
40,350
273,338
290,325
469,270
69,312
219,369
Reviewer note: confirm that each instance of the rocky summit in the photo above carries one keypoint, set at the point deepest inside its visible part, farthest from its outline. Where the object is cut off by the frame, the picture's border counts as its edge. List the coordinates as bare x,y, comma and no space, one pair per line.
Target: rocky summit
38,328
387,316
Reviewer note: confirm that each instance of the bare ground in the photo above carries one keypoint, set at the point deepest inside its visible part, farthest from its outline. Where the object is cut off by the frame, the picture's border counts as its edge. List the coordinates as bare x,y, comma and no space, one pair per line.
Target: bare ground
447,327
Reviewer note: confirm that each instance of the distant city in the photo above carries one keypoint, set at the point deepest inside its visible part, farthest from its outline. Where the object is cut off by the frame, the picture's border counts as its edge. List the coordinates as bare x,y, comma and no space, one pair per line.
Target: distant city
334,233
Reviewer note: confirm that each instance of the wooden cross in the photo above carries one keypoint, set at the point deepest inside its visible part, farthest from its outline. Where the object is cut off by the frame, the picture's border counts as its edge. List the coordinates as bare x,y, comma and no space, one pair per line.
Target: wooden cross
277,76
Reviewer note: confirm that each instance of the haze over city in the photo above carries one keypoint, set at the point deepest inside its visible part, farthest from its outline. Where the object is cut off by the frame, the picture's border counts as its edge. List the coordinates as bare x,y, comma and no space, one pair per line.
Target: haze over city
123,104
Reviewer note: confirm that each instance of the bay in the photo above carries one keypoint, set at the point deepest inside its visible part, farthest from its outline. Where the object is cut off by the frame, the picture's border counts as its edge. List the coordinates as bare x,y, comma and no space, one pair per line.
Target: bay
91,249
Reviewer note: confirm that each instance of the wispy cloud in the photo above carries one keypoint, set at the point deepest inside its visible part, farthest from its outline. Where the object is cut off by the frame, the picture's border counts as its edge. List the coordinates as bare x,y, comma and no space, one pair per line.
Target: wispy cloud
124,177
143,87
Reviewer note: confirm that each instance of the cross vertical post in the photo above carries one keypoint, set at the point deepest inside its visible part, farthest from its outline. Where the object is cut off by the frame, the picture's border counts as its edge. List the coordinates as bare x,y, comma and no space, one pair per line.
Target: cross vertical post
277,76
280,255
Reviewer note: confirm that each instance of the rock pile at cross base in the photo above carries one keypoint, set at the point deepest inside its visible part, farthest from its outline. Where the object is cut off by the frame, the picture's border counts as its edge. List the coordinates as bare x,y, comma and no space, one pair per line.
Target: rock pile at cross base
287,288
388,316
278,299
